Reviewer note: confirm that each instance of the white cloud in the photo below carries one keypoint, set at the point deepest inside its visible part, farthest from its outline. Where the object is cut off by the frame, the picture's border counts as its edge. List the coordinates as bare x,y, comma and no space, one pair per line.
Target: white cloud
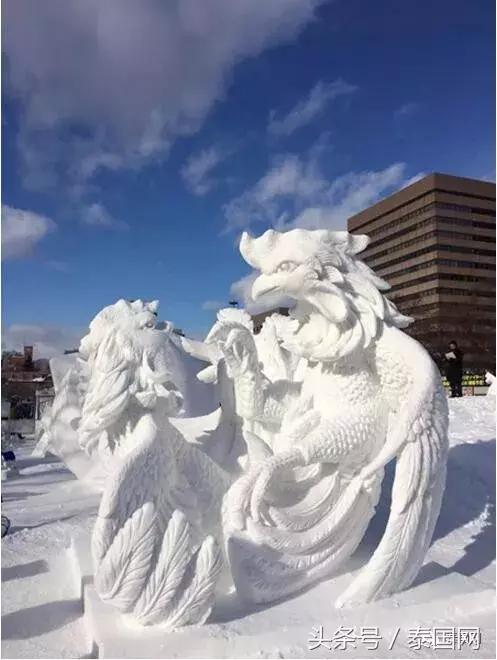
213,305
349,194
413,179
96,215
48,341
290,179
320,96
22,231
112,84
241,292
295,193
197,171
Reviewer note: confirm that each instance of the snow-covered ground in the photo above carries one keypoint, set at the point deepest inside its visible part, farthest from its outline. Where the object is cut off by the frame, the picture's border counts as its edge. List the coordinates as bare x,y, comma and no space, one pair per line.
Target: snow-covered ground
41,615
42,612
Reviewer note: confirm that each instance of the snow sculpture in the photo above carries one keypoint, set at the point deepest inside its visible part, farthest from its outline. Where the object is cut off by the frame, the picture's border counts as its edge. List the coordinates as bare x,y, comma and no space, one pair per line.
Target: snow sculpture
155,542
227,445
305,501
45,431
224,443
282,487
59,426
491,380
88,453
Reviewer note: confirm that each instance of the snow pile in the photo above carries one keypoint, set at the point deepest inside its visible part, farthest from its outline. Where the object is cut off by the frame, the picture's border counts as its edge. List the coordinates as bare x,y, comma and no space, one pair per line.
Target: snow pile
42,607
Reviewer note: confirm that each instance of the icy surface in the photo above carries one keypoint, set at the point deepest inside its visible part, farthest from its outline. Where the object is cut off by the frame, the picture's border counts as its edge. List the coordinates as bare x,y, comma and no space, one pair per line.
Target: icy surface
42,612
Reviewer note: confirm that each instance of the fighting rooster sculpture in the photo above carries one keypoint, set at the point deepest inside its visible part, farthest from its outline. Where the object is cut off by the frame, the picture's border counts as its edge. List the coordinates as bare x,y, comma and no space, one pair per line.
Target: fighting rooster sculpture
318,404
368,393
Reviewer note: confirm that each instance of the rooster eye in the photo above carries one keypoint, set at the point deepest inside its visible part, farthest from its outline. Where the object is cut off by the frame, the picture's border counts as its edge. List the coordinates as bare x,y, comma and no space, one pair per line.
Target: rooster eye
285,266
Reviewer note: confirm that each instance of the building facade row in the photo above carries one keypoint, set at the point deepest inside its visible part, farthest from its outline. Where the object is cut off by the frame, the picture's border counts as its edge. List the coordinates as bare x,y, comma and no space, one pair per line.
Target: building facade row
434,243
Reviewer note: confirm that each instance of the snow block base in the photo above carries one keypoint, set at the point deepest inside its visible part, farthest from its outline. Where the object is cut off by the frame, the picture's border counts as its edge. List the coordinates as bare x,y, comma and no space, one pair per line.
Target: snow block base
283,629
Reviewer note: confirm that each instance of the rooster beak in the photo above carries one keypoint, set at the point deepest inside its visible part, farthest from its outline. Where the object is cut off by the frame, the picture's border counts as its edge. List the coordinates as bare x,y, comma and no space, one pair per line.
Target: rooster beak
265,284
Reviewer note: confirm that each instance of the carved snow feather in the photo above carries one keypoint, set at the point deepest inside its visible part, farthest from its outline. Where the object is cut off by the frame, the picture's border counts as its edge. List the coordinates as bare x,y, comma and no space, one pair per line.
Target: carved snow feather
147,535
195,603
154,602
123,570
420,441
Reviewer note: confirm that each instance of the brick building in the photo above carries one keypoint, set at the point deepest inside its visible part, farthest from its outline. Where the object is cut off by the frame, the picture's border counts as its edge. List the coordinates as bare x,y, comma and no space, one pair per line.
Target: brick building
434,243
22,377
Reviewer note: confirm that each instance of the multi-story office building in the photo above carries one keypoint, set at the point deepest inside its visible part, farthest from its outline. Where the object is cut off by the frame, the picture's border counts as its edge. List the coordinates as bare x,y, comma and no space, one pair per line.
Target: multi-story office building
434,243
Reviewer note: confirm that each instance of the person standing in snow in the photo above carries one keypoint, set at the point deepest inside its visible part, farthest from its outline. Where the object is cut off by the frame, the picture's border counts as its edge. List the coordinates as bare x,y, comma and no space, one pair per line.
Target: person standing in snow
453,369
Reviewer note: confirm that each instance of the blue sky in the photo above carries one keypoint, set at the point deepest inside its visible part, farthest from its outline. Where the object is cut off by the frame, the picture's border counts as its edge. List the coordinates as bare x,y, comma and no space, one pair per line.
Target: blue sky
139,139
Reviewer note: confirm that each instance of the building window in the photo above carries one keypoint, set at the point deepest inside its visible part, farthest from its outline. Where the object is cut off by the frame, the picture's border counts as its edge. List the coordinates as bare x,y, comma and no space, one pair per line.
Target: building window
432,248
466,209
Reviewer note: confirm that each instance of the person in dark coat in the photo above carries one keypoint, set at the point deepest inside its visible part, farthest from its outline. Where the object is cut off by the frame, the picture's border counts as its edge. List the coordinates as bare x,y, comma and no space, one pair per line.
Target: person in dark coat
453,369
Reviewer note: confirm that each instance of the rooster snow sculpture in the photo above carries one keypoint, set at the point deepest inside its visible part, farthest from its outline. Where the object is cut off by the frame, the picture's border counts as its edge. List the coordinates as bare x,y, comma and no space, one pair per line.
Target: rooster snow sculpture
87,448
155,542
232,443
368,394
321,402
